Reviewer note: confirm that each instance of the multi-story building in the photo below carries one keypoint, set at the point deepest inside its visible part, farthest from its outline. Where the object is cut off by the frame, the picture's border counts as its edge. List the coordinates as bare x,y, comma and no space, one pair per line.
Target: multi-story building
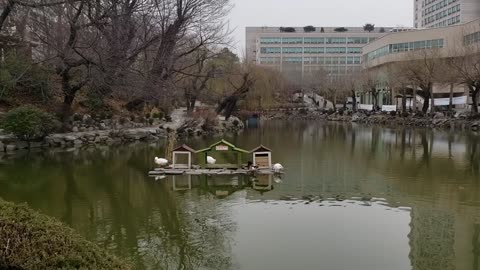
397,46
298,52
446,42
440,13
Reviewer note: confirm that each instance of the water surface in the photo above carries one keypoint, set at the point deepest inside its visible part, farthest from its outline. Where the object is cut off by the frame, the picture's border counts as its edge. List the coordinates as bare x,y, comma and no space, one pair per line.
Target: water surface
353,197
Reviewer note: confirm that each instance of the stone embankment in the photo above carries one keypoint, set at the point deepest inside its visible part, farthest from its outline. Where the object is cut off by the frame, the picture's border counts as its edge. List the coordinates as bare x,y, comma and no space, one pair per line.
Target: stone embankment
10,143
463,121
460,122
86,131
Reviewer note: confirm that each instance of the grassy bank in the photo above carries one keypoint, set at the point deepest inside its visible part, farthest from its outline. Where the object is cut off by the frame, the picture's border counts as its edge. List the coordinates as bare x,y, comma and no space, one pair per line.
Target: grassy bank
29,240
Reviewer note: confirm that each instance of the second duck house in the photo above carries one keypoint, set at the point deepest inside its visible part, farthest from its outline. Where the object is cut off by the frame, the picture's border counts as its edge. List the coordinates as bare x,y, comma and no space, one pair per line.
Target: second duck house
222,147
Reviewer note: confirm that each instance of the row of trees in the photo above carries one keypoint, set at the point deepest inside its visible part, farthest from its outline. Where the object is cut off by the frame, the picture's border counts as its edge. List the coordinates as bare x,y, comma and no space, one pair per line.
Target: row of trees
415,73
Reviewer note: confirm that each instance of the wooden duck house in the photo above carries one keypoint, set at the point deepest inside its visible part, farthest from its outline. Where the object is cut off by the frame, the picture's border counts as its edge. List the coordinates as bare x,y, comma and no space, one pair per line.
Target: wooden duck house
222,147
262,157
179,151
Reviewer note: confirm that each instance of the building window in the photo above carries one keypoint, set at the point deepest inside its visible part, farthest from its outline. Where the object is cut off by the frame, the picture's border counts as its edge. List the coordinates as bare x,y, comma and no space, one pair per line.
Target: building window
294,50
354,50
357,40
314,40
269,60
292,40
336,40
293,59
268,50
270,40
336,50
405,47
314,50
472,38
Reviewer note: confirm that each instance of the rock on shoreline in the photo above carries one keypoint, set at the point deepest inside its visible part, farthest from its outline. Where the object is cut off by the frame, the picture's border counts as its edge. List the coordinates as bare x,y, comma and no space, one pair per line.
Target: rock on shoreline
10,143
462,122
437,121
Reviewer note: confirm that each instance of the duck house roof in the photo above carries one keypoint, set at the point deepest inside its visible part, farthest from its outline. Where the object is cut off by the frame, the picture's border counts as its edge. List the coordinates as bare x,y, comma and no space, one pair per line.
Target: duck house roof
261,148
223,145
184,148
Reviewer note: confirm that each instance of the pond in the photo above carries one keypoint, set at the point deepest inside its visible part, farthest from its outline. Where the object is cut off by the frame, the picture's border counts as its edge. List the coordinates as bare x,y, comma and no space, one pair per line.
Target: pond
353,197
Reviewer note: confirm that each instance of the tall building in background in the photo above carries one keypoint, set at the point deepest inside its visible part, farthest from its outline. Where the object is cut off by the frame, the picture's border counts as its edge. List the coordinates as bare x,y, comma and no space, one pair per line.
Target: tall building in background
303,51
440,13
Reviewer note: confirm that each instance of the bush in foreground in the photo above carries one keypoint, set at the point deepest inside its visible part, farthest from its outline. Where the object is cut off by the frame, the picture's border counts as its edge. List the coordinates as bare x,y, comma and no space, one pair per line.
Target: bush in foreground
29,240
29,123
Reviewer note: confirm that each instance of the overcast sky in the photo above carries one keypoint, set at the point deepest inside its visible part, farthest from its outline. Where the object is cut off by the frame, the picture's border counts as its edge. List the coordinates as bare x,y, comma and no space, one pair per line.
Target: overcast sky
316,13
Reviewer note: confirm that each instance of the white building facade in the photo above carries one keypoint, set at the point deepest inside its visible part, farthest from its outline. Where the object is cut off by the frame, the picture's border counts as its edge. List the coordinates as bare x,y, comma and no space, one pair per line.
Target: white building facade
440,13
300,52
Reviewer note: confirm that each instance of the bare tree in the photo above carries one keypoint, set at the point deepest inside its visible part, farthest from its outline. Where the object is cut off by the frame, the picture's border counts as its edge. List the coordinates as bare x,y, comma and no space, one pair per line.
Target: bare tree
352,84
370,81
466,67
194,78
73,45
181,22
334,89
421,68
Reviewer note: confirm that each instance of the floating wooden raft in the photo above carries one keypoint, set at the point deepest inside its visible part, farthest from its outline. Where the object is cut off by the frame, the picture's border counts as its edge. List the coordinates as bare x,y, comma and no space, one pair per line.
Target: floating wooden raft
170,171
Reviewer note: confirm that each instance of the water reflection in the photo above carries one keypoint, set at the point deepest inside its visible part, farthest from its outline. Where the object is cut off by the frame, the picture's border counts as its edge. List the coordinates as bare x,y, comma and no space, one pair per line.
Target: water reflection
220,186
353,197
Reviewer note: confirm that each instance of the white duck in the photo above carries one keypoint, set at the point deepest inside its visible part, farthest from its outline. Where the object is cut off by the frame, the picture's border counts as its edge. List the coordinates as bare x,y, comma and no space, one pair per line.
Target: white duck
161,161
277,168
211,160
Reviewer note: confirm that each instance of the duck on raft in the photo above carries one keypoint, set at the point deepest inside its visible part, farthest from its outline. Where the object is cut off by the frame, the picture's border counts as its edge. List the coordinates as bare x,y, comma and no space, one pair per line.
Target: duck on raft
161,161
277,168
211,160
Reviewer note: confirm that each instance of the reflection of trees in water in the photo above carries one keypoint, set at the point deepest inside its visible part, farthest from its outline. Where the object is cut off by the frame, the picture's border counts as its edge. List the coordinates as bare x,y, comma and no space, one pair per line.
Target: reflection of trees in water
432,239
473,154
476,247
104,194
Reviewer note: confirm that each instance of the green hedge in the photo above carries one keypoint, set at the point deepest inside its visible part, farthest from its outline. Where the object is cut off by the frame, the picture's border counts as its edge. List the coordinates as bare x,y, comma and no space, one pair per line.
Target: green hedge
29,240
29,123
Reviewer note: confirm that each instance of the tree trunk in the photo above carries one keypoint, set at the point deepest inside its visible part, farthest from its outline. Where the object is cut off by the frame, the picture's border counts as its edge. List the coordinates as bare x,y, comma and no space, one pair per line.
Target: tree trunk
432,98
354,101
68,97
375,100
404,100
67,107
475,93
450,104
426,101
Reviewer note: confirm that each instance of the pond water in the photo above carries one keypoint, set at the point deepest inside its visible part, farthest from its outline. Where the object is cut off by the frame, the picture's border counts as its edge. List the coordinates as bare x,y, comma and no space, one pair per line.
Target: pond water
353,197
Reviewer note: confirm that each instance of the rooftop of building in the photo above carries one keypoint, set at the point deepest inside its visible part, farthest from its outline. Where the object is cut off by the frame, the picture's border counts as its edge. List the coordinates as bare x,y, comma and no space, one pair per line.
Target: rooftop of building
322,29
